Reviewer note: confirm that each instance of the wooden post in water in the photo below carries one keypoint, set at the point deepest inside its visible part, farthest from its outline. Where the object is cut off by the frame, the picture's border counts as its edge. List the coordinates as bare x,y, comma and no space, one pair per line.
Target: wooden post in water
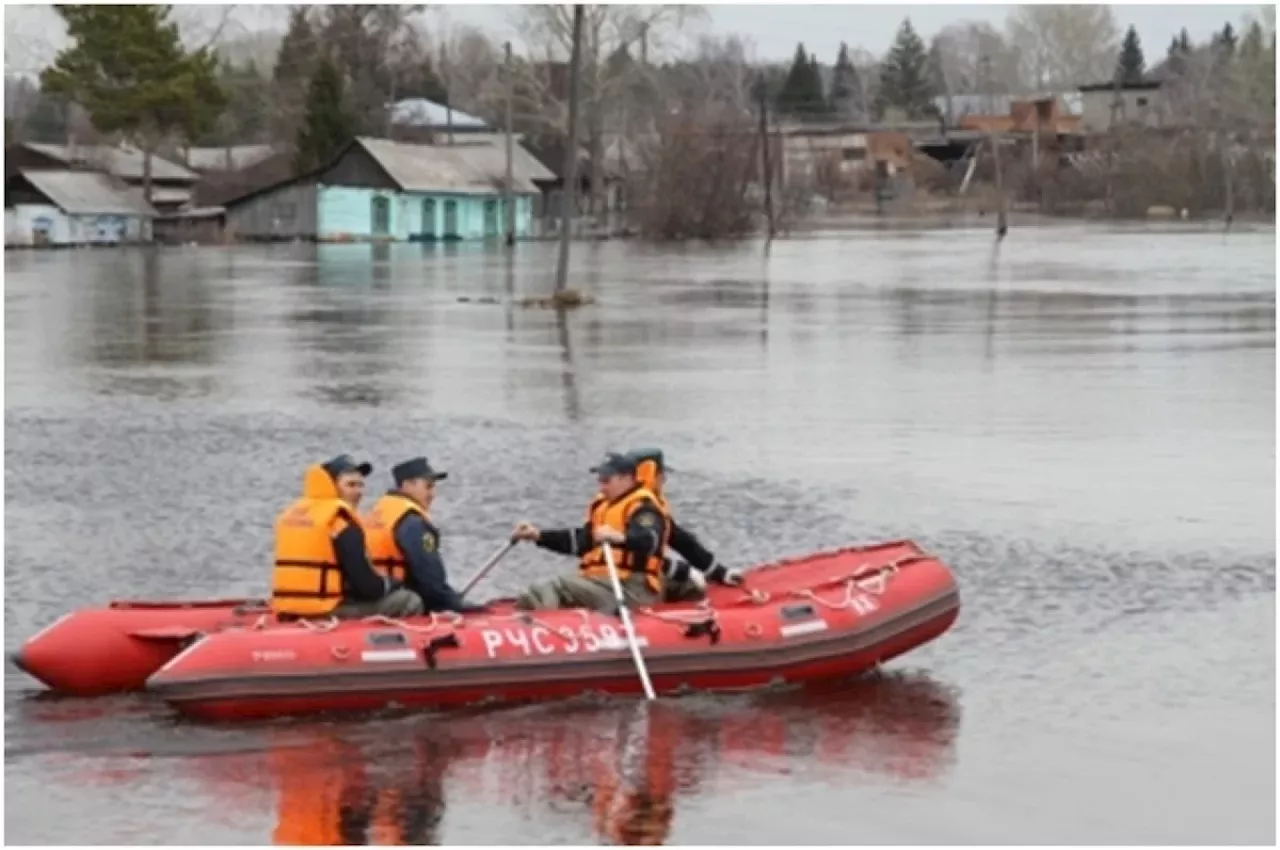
1002,216
766,169
508,191
568,196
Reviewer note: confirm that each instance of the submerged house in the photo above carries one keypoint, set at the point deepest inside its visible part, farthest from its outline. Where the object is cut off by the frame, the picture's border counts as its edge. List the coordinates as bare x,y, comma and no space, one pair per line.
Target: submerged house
46,208
171,183
376,189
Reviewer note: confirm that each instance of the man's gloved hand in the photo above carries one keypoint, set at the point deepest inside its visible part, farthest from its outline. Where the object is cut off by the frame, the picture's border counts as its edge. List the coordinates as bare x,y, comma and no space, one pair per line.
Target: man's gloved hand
721,574
525,531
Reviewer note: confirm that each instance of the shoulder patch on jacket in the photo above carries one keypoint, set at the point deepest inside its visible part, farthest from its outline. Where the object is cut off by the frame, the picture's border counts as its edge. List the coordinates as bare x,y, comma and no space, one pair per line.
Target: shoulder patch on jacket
646,519
429,542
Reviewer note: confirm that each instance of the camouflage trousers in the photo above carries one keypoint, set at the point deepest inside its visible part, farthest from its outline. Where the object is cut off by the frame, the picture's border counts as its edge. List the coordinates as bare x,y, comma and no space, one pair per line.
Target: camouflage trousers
578,591
398,603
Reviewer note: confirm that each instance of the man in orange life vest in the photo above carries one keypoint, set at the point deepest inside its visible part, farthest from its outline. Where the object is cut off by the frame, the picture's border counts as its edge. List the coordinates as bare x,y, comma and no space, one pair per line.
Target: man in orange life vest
321,566
686,580
627,516
403,542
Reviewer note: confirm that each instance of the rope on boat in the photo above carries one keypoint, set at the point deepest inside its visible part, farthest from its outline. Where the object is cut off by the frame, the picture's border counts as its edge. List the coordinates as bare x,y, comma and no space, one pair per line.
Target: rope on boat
434,617
701,613
873,581
327,625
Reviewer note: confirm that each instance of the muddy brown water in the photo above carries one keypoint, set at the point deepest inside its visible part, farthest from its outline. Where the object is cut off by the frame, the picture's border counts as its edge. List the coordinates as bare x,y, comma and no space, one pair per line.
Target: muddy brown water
1081,424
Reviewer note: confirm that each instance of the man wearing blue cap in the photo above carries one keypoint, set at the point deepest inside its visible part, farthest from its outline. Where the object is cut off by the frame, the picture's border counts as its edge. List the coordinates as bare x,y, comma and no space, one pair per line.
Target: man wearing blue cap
625,515
405,544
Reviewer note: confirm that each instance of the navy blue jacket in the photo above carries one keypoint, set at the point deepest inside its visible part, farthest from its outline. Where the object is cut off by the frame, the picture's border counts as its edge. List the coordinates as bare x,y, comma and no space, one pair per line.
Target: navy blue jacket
419,542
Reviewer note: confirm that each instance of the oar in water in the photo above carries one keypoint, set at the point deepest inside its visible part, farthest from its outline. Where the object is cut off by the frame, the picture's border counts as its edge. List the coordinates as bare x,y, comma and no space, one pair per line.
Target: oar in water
627,624
488,565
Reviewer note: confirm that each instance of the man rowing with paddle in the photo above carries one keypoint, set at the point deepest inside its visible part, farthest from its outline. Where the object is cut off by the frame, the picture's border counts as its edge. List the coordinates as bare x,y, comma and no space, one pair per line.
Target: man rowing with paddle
627,516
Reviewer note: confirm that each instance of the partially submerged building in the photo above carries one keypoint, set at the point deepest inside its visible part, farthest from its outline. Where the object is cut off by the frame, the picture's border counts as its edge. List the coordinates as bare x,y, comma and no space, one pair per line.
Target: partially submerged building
62,208
376,189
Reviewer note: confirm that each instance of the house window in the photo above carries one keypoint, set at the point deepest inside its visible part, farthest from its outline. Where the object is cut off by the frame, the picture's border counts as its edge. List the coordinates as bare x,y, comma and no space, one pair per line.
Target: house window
1142,101
853,154
490,218
380,212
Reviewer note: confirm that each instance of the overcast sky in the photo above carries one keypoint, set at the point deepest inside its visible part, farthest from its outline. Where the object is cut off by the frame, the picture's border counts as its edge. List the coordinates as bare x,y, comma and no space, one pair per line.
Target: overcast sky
33,32
776,28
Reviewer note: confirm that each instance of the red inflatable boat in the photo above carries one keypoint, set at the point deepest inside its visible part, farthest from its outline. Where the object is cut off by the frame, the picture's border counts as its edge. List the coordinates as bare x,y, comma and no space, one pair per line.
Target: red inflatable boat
97,651
818,617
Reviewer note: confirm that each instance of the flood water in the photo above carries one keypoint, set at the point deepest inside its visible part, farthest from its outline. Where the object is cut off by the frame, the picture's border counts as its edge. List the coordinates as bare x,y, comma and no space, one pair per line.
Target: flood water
1081,424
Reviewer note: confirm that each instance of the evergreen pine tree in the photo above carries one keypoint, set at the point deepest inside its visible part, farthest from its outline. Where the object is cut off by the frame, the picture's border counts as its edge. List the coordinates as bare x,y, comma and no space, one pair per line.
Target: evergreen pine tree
802,92
297,52
1131,64
129,70
1179,50
1225,40
905,76
1253,44
816,86
846,89
328,126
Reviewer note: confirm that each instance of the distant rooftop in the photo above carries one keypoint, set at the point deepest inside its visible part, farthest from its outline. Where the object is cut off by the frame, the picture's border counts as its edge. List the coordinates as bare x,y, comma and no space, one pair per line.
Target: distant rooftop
1002,104
472,168
87,193
420,112
233,158
124,161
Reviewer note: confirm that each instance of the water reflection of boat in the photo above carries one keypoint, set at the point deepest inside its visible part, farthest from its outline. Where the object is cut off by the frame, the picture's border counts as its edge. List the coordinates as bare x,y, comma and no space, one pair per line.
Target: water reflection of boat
616,769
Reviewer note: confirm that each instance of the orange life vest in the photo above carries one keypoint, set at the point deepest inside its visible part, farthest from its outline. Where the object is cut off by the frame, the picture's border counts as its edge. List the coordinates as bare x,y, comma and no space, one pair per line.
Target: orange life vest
307,580
647,475
380,530
616,515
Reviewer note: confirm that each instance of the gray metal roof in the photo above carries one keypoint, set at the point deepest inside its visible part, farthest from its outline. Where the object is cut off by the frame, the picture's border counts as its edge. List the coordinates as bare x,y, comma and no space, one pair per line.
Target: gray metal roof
87,193
420,112
227,159
465,168
123,162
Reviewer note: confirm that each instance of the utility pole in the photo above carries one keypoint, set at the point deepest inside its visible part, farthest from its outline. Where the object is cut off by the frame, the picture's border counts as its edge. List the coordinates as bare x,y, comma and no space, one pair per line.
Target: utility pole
448,91
569,194
984,66
508,190
766,177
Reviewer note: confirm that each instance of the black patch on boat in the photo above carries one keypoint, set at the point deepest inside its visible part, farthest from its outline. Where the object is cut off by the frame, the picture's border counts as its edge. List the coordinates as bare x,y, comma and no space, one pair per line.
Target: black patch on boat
385,639
449,641
709,627
797,612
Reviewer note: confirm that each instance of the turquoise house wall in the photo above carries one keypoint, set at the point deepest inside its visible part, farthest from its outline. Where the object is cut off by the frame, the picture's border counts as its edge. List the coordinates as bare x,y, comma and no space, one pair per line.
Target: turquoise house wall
346,213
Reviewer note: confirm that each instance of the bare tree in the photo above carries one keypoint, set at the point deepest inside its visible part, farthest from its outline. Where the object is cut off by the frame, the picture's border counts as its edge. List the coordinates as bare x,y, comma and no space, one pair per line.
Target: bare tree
473,62
972,57
1064,45
612,35
696,169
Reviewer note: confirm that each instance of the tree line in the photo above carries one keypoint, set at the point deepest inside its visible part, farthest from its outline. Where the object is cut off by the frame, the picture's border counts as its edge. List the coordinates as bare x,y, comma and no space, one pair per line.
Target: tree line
338,69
